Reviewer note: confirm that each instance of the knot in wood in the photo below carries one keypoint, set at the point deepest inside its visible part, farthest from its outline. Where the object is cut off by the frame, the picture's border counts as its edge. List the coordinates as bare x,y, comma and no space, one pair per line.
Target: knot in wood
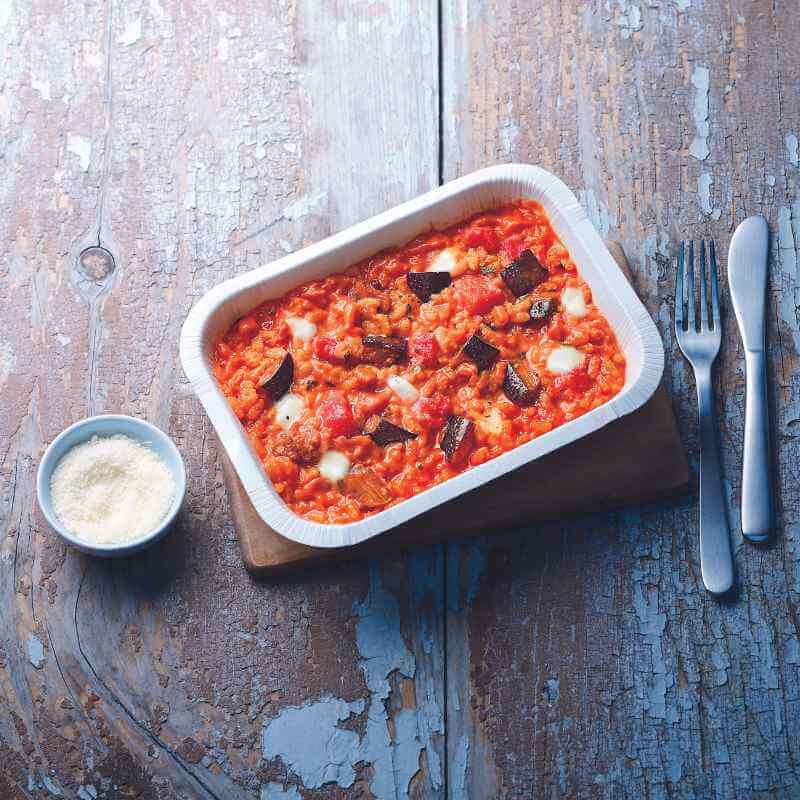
96,263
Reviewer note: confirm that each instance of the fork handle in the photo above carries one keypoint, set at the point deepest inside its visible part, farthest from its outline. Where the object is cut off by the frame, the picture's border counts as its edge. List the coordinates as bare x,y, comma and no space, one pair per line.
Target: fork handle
756,490
716,561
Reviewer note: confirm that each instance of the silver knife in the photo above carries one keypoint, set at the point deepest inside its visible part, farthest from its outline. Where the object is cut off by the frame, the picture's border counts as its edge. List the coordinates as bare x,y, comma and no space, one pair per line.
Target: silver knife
747,277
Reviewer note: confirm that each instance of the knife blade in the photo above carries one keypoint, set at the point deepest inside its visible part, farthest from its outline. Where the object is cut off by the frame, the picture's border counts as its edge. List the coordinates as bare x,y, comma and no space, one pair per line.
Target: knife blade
747,278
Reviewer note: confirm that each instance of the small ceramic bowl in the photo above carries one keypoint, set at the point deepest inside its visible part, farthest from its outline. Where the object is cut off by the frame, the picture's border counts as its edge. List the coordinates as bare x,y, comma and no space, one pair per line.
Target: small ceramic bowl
110,425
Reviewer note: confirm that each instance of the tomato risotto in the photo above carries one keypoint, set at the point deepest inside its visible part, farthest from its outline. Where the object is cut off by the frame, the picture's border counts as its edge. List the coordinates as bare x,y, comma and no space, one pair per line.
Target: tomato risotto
364,388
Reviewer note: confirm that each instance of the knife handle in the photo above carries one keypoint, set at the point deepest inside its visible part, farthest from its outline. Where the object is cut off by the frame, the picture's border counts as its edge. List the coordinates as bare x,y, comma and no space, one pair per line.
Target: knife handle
756,489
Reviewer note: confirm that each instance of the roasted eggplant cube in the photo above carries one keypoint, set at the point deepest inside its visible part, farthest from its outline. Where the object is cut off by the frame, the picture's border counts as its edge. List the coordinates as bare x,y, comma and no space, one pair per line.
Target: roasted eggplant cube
280,380
457,438
521,384
524,273
383,432
426,284
542,309
384,350
481,352
366,487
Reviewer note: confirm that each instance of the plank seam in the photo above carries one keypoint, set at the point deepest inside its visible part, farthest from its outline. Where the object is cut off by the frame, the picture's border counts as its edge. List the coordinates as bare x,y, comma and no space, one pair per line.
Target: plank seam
440,83
445,547
109,115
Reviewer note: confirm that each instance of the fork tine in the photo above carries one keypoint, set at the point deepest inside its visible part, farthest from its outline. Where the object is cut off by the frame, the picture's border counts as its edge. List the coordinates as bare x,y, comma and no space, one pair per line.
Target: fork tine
690,304
703,295
714,292
679,290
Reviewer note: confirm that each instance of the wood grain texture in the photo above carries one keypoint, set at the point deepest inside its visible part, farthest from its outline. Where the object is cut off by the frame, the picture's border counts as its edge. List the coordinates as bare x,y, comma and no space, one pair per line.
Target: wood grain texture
194,140
594,663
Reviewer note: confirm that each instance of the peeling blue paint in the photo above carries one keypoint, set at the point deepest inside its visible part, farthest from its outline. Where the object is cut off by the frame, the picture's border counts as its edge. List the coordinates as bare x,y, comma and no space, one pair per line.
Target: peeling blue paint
768,666
699,148
655,246
459,786
474,571
630,18
721,753
651,626
275,791
597,212
52,787
791,149
35,651
786,241
551,691
673,760
426,566
425,576
310,742
307,738
704,183
563,772
383,651
788,232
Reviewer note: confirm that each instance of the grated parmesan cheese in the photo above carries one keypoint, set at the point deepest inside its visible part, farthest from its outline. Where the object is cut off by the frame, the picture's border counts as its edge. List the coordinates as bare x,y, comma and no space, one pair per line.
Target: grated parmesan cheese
111,489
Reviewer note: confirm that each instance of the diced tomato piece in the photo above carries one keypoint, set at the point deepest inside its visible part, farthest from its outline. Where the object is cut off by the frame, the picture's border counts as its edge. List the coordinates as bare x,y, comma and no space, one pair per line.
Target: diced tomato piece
432,411
478,294
579,380
482,237
513,246
324,348
424,349
336,415
247,327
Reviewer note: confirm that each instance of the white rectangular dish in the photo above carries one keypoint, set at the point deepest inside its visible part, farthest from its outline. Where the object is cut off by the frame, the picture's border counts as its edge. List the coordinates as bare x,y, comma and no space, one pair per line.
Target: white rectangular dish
487,188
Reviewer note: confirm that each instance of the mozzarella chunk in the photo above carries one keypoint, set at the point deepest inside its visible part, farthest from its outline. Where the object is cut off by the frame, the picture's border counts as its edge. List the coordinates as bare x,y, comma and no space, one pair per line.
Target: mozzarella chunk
573,301
446,261
404,389
563,359
288,409
301,328
492,423
334,466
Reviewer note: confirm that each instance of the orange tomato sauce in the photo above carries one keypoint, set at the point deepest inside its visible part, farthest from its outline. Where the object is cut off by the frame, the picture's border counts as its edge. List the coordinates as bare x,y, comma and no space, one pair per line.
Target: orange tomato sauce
339,390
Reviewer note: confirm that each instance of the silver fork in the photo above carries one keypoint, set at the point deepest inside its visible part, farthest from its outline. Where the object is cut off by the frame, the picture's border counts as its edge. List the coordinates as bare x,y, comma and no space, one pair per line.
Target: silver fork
700,346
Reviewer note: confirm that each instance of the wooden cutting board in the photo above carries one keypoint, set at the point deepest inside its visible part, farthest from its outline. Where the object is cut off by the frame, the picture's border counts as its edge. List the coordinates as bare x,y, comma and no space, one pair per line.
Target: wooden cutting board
636,458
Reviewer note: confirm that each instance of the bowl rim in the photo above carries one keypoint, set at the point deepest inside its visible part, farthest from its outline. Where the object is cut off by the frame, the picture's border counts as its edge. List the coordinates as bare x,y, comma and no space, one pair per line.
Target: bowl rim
48,463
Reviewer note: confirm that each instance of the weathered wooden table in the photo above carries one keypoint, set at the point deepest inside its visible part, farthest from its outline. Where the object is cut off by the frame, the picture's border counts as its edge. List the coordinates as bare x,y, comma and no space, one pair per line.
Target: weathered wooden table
195,140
